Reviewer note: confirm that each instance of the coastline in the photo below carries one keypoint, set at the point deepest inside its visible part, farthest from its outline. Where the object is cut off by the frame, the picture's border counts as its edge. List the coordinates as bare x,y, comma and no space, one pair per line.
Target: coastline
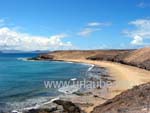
75,98
125,76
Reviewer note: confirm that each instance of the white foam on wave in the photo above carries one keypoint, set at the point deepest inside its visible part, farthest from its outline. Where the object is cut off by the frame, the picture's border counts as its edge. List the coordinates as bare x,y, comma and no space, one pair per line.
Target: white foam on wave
23,59
15,111
33,107
73,79
86,64
90,68
70,62
69,89
35,103
38,102
52,100
26,59
41,104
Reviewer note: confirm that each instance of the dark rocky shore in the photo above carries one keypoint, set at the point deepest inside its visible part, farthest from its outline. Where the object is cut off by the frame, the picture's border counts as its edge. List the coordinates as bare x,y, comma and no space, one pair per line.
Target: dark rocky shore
135,100
60,106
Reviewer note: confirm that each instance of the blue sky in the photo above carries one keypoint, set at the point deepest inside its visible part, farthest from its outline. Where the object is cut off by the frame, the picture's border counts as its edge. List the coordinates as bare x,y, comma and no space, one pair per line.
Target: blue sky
74,24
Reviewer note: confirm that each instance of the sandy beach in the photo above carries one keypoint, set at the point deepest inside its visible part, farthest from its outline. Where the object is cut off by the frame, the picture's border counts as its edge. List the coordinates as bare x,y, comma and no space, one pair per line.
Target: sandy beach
125,78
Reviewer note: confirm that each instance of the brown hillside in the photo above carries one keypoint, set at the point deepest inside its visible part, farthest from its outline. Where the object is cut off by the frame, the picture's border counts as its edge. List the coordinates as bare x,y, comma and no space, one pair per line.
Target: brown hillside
135,100
83,54
139,56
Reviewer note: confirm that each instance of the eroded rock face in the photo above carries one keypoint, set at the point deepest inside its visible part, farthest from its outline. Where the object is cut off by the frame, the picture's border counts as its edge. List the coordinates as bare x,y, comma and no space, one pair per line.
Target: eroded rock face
42,57
135,100
46,57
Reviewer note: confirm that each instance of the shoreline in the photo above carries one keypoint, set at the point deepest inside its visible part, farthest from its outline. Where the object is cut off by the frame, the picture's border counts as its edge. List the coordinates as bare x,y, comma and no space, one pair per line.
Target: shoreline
122,82
72,96
126,77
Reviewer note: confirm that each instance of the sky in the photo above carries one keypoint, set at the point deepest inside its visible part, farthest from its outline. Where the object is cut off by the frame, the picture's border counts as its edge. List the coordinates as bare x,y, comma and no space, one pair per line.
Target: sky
29,25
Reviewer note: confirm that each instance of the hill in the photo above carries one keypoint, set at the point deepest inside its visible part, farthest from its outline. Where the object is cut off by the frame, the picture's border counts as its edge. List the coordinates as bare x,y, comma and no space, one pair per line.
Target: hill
135,100
139,58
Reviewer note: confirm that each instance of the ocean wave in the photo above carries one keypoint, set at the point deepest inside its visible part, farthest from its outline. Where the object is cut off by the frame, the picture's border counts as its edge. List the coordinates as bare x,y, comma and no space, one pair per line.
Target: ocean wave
52,100
69,89
29,104
22,59
26,59
86,64
41,104
18,107
90,68
73,79
69,62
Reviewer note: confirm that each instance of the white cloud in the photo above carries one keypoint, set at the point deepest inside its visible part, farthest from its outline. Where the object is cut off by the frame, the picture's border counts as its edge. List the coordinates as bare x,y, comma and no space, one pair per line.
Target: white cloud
143,5
87,32
92,27
96,24
140,33
137,40
10,39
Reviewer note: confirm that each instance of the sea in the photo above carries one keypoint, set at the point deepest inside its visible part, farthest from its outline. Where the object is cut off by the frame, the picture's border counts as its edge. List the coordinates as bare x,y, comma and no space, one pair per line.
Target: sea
22,81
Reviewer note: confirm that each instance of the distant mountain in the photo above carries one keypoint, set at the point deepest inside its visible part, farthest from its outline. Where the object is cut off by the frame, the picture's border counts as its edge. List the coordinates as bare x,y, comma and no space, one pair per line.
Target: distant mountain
39,51
19,51
11,51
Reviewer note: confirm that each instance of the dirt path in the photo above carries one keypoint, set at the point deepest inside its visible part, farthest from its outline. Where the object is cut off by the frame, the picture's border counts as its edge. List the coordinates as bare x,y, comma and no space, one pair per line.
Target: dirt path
126,77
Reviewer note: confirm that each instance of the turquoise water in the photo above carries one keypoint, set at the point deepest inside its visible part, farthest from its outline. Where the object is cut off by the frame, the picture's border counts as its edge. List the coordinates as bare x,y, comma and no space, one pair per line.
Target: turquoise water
21,82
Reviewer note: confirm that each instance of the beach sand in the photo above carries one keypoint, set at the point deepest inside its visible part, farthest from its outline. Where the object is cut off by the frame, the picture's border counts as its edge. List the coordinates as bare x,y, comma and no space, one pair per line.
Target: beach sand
125,78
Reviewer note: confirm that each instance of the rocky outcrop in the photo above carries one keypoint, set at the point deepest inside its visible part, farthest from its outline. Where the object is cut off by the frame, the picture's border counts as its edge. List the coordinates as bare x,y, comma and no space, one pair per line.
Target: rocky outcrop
44,110
68,106
42,57
60,106
135,100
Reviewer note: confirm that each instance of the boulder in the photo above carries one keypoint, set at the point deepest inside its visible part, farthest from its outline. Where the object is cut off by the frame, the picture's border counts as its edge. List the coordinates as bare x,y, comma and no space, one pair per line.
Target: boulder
68,106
